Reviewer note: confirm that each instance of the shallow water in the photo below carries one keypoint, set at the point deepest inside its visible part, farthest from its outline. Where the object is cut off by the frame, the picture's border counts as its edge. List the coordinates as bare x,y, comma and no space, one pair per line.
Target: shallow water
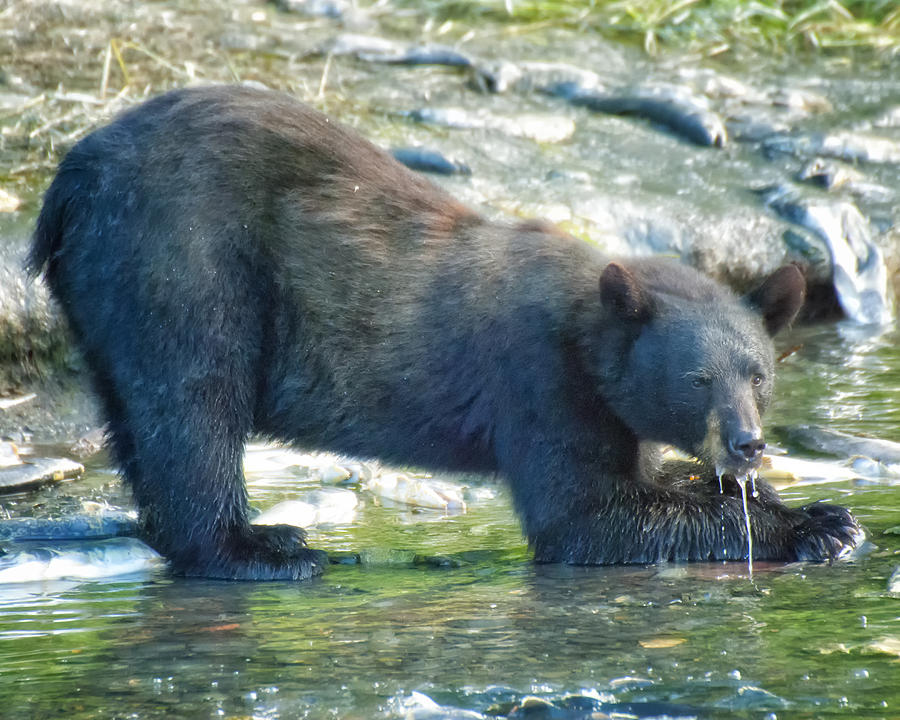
473,624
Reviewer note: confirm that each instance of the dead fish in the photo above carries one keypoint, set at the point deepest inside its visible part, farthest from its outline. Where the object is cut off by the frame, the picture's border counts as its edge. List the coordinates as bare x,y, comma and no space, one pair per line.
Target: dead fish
8,402
540,128
894,581
859,274
80,561
841,444
429,54
430,161
370,48
319,507
418,492
682,113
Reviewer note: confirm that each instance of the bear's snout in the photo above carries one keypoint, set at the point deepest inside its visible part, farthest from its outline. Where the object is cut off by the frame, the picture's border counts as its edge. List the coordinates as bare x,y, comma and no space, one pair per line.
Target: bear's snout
746,446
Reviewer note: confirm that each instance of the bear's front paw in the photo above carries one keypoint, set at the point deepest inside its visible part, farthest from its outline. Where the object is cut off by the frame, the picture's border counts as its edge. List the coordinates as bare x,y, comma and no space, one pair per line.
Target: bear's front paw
829,532
256,552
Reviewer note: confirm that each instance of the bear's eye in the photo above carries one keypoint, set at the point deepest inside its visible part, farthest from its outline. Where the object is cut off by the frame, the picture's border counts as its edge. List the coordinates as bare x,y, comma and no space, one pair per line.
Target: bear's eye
699,382
756,380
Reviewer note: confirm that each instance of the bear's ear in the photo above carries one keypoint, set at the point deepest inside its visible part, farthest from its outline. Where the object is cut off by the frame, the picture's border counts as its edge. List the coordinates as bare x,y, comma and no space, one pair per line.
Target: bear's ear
779,298
621,291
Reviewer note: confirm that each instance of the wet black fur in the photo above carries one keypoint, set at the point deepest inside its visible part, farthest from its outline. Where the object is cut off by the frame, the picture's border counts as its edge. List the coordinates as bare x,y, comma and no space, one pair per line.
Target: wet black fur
231,261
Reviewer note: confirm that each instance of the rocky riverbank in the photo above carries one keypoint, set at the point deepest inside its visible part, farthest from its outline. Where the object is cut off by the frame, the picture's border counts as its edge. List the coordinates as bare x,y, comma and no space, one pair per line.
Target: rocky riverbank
734,166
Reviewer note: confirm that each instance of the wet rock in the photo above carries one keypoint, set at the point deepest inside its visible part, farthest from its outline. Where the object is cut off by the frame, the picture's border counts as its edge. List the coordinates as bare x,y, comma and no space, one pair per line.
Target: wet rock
750,128
430,161
890,118
717,85
853,147
79,561
749,697
587,707
894,581
827,174
808,101
89,444
418,706
9,454
859,273
316,8
552,78
354,44
834,175
104,523
37,471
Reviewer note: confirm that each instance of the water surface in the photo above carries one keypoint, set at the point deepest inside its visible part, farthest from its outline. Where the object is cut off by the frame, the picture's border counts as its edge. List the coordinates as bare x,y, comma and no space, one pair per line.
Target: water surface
473,624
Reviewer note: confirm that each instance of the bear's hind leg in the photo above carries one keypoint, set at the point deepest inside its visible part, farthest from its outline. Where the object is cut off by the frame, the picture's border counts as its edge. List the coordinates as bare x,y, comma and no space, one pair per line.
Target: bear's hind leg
187,479
179,405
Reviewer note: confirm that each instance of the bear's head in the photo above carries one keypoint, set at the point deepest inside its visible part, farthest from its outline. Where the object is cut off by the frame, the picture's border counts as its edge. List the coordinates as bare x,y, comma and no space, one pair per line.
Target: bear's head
695,365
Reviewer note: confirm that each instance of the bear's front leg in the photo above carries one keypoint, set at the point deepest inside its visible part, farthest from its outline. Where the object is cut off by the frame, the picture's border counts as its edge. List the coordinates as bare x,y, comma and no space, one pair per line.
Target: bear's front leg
588,513
642,523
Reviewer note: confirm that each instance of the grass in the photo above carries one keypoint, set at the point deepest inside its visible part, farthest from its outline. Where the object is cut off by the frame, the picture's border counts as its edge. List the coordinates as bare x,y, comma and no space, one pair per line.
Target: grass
708,26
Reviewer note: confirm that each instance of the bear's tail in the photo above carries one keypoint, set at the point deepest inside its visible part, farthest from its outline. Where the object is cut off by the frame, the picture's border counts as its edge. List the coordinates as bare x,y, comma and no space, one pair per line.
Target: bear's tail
52,222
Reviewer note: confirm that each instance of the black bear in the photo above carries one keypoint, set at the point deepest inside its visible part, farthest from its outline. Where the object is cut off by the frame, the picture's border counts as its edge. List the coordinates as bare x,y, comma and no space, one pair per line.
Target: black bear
232,261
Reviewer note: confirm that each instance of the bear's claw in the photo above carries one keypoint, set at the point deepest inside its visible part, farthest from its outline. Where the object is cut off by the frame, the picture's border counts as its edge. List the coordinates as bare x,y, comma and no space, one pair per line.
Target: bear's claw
258,552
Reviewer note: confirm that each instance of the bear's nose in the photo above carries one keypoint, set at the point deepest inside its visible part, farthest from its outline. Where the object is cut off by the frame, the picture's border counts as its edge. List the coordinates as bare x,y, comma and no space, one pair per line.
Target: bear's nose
747,444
